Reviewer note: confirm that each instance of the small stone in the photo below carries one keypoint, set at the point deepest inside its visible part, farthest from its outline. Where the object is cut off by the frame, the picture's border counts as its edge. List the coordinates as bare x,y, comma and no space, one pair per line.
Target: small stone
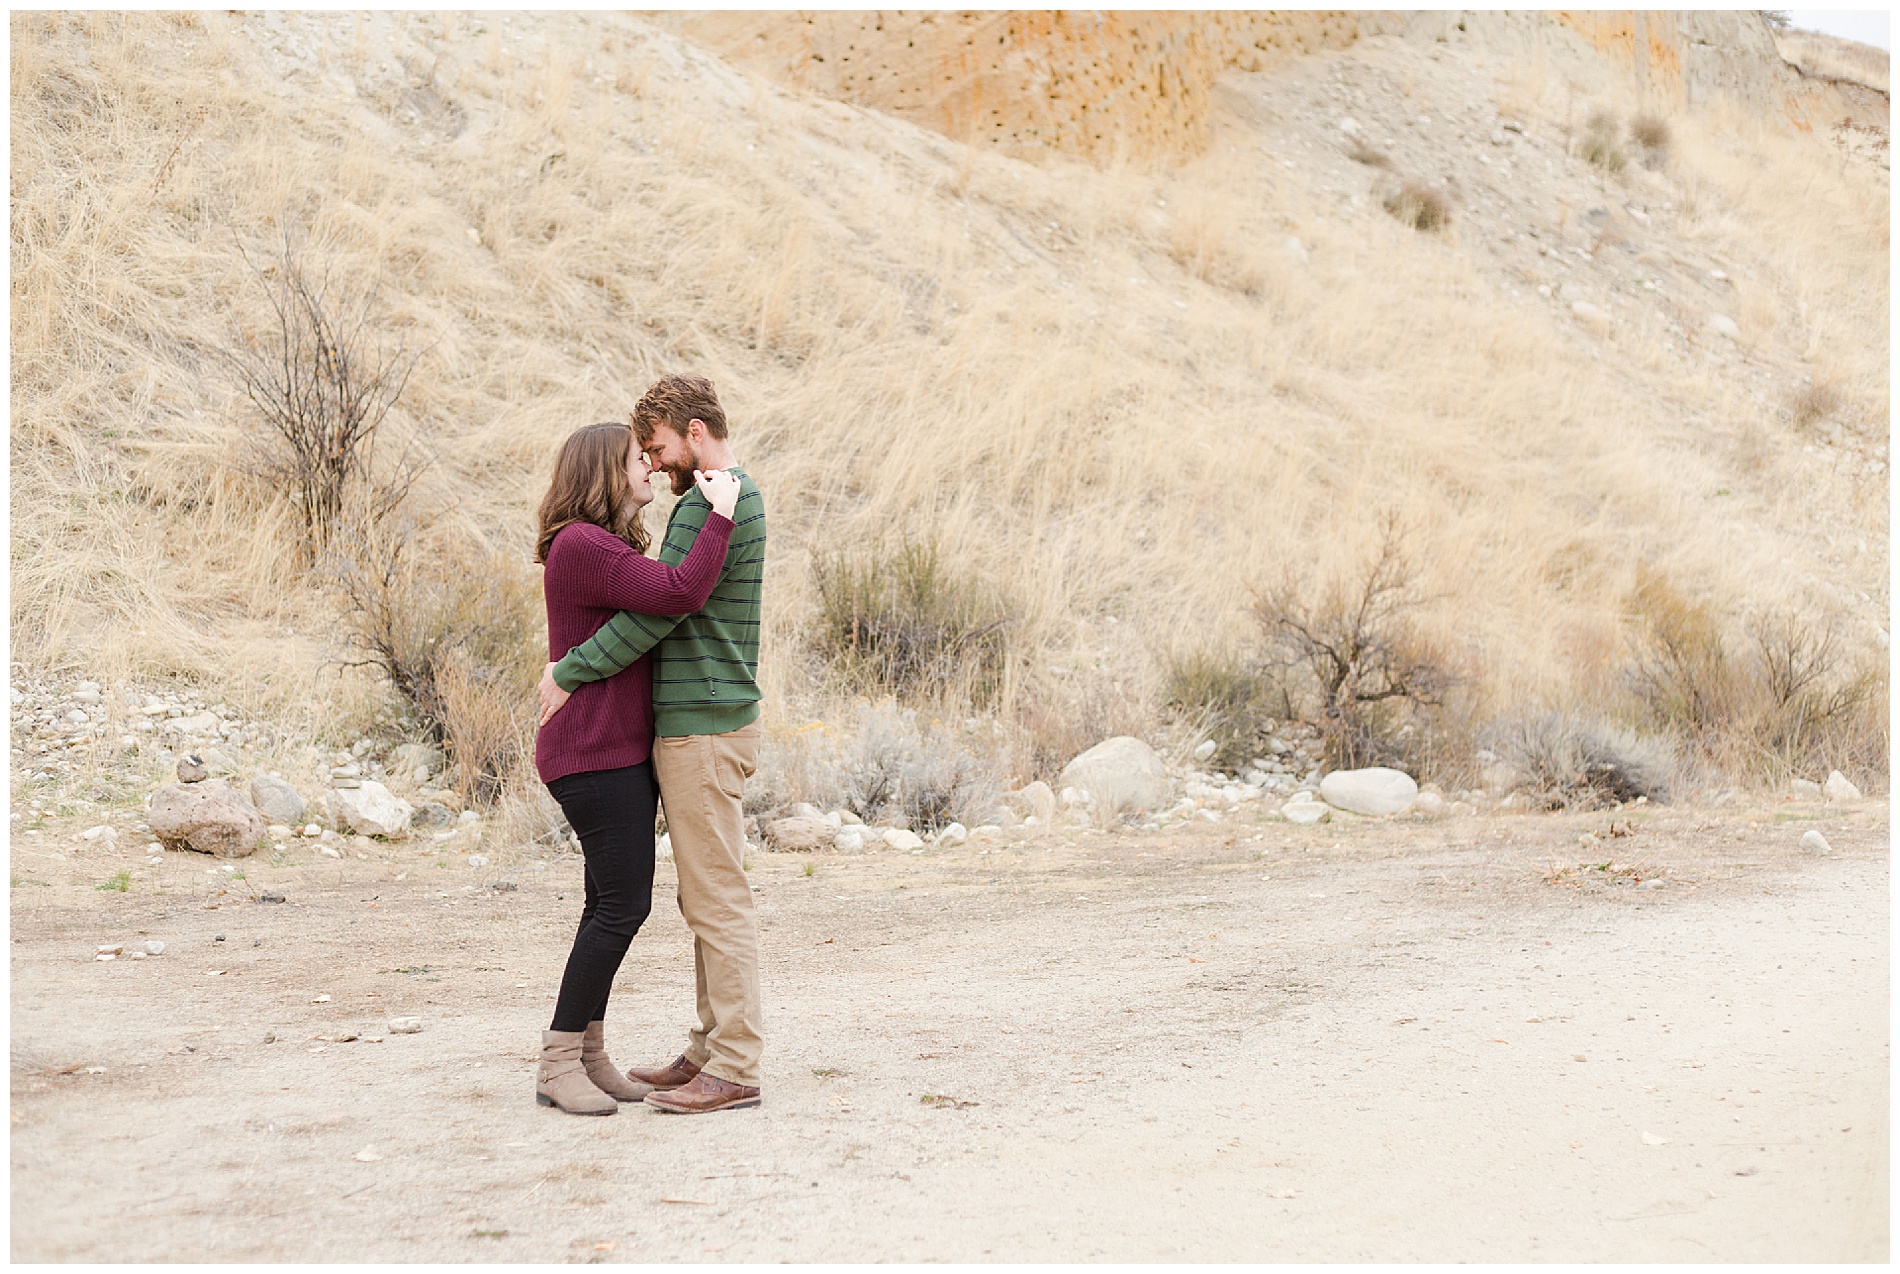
1431,805
197,723
1805,789
277,800
1037,800
107,956
478,860
1205,749
111,948
268,896
1838,788
1305,813
366,1155
154,947
329,852
192,769
849,840
1297,250
404,1025
350,771
1723,325
805,809
431,814
103,832
1651,884
847,818
1595,315
903,838
1815,843
1349,126
312,829
468,818
953,835
505,887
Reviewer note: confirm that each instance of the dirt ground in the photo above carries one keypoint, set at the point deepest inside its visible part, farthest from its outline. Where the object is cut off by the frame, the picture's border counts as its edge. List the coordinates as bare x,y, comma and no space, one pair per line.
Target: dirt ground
1361,1041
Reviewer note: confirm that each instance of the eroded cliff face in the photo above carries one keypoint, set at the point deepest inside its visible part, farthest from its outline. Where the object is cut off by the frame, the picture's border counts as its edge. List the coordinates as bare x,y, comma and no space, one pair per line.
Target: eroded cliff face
1112,84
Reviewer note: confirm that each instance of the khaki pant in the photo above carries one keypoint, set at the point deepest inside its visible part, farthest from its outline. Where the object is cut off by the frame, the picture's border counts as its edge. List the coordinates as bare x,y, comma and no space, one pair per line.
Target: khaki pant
702,784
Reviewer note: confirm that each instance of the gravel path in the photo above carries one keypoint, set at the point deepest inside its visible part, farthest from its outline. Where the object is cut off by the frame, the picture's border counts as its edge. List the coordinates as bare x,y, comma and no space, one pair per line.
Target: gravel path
1355,1042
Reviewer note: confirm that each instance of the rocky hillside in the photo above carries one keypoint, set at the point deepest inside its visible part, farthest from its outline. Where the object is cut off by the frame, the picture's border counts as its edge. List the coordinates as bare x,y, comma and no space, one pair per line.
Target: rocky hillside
1586,309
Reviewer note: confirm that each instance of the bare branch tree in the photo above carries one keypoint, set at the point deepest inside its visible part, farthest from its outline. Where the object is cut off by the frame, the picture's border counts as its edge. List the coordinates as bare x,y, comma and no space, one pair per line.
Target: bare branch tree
323,384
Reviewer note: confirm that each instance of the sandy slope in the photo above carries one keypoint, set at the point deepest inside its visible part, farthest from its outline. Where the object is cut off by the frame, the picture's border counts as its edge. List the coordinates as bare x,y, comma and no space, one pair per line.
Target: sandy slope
1364,1042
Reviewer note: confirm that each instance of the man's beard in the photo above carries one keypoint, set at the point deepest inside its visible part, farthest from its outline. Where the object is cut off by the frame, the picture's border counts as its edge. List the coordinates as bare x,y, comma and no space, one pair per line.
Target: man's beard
682,479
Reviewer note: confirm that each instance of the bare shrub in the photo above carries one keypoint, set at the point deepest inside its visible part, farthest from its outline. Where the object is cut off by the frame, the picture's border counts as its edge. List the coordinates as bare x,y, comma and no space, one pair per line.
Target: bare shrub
323,385
455,630
898,620
887,765
1578,763
1368,678
1419,207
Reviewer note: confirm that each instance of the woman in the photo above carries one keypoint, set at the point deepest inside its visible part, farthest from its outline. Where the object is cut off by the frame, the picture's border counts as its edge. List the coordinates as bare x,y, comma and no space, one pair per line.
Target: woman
594,753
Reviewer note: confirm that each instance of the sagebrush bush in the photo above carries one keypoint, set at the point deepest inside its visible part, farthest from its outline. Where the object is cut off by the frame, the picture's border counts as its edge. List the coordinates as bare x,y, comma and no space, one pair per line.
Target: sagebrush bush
1600,144
1580,763
884,764
1815,402
456,631
1650,133
1226,696
1787,700
902,620
1419,207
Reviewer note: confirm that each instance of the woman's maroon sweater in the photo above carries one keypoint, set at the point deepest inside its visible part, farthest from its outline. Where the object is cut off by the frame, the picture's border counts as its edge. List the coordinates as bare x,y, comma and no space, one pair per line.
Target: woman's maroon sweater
590,575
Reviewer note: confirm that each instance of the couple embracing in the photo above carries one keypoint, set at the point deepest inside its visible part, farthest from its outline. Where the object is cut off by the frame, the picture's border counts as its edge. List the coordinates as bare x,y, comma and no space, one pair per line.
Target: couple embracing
654,697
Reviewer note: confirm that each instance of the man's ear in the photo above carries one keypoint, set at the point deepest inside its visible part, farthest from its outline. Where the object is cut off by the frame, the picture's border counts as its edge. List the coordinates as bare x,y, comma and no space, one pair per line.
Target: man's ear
696,430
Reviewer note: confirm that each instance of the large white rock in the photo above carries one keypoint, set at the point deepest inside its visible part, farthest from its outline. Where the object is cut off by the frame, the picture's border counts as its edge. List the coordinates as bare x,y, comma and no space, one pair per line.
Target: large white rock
1123,774
800,834
368,810
1374,790
1839,789
211,817
903,838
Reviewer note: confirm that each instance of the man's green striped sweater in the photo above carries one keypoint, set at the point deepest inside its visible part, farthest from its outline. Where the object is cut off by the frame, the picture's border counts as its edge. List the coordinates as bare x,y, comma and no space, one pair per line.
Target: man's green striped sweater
705,665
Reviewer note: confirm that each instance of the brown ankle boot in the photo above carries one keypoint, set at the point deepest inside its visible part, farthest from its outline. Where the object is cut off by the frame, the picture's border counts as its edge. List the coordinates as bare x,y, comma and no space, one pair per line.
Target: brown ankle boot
562,1082
595,1062
675,1074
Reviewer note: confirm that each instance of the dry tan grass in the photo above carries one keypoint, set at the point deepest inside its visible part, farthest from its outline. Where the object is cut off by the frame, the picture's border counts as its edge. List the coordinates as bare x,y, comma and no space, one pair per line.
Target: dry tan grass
1109,388
1831,56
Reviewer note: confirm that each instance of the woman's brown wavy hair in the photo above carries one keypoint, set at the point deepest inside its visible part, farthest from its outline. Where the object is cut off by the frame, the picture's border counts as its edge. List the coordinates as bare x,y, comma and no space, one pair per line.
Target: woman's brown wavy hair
590,485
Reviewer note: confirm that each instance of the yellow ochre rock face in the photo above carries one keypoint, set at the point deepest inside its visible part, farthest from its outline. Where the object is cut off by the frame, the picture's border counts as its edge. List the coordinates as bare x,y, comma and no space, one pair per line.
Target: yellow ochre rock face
1107,85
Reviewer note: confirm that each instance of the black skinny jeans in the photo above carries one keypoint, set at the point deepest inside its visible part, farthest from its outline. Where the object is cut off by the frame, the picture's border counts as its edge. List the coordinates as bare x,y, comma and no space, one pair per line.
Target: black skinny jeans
612,812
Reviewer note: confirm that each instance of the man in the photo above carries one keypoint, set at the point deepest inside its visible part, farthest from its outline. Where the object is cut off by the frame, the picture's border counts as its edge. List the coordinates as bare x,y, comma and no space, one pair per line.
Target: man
706,744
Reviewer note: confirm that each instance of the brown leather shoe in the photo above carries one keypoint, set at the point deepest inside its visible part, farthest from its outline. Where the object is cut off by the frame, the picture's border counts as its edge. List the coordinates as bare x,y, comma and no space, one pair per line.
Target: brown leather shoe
704,1093
672,1075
